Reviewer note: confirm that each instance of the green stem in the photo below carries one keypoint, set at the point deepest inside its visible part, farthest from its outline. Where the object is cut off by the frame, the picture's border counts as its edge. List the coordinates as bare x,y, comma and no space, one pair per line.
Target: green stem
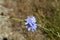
20,20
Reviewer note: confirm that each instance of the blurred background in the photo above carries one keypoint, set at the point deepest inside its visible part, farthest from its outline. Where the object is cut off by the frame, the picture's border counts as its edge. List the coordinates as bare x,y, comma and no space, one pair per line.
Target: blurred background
47,13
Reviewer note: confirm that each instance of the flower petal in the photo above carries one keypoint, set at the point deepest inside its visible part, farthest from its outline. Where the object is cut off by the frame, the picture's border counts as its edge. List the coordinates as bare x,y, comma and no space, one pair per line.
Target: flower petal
31,23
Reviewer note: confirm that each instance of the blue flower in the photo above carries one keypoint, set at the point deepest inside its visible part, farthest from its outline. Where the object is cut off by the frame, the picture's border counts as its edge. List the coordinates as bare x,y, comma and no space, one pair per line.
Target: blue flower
31,23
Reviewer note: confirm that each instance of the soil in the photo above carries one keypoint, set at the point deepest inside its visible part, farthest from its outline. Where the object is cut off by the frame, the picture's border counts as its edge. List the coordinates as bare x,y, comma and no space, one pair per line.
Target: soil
23,8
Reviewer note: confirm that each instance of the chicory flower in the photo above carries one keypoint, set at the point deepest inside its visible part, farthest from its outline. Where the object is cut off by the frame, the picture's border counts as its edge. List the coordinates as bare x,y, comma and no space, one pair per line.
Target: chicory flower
31,23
